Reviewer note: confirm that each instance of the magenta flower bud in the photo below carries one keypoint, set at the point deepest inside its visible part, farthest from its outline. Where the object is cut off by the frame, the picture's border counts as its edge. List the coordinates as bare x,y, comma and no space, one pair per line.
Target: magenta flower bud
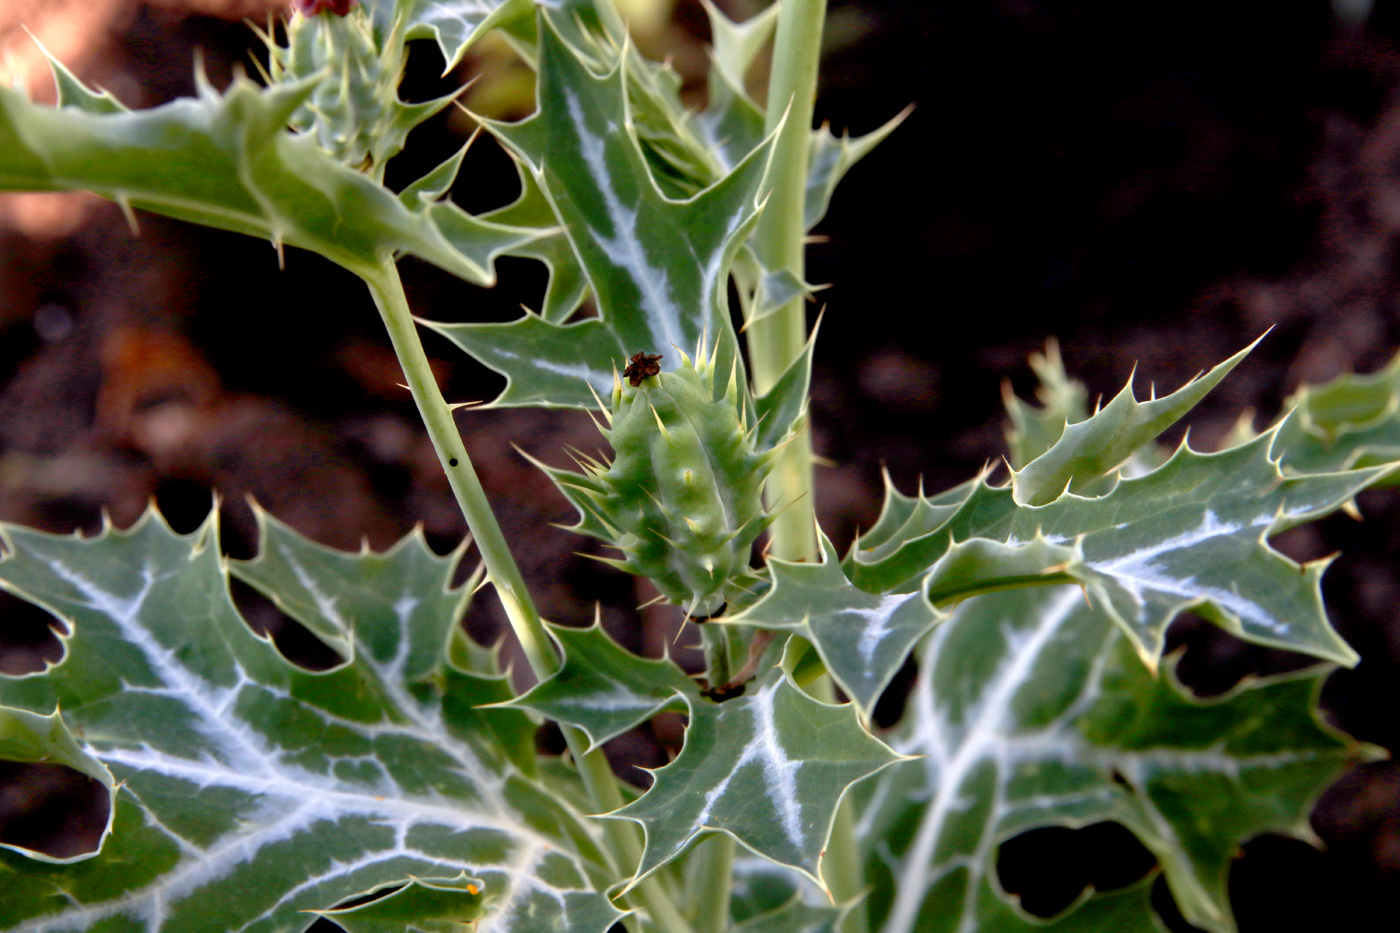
312,7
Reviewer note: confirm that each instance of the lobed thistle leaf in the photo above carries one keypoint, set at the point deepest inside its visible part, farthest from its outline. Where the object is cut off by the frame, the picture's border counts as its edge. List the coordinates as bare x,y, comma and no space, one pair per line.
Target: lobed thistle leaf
226,161
252,790
32,738
1034,430
604,689
1191,534
862,638
1033,709
424,905
1352,421
657,266
766,898
768,768
1091,449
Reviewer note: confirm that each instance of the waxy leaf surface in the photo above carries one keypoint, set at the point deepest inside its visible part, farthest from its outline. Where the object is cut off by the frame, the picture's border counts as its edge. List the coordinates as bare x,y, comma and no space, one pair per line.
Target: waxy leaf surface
1352,421
604,689
862,638
658,267
767,898
1191,534
768,768
227,161
424,905
454,24
253,790
1089,450
33,738
1034,429
1032,709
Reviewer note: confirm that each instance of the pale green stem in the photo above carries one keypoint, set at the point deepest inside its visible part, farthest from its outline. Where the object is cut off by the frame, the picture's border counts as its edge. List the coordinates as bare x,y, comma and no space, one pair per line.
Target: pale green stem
598,779
712,881
777,340
501,568
623,836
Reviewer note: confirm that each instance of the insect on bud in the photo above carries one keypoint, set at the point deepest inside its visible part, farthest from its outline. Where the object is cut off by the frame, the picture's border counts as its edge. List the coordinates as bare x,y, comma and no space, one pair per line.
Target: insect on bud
642,366
681,498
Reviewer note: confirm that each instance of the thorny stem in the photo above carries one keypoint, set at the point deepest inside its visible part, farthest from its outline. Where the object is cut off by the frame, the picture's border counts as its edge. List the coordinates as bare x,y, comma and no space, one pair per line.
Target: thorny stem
387,289
777,340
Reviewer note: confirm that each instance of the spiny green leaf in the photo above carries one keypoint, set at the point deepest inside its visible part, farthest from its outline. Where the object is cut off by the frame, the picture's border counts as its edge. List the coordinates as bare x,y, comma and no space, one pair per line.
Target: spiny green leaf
253,790
680,162
737,45
732,124
1191,534
1352,421
370,599
905,518
604,689
658,267
1034,430
862,638
568,286
424,905
227,161
72,92
768,898
781,408
1091,449
1032,709
454,24
764,292
33,738
830,157
980,565
768,768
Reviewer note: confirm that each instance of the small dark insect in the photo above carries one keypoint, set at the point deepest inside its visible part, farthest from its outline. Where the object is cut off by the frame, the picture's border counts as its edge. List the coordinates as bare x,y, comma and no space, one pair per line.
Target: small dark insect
640,367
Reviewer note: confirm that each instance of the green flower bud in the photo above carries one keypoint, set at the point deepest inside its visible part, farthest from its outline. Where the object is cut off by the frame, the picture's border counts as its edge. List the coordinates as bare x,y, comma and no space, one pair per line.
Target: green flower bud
358,85
682,497
354,112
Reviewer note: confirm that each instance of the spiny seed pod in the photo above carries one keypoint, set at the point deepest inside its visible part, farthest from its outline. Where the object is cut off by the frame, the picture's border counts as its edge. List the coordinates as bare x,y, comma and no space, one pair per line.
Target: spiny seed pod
682,496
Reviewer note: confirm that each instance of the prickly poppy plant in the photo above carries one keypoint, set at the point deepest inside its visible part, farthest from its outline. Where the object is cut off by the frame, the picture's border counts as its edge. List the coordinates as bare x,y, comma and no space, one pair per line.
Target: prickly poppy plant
401,789
682,498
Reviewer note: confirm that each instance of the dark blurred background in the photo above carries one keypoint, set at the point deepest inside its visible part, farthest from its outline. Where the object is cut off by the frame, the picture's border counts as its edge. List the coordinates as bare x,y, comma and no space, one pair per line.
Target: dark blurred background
1154,183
